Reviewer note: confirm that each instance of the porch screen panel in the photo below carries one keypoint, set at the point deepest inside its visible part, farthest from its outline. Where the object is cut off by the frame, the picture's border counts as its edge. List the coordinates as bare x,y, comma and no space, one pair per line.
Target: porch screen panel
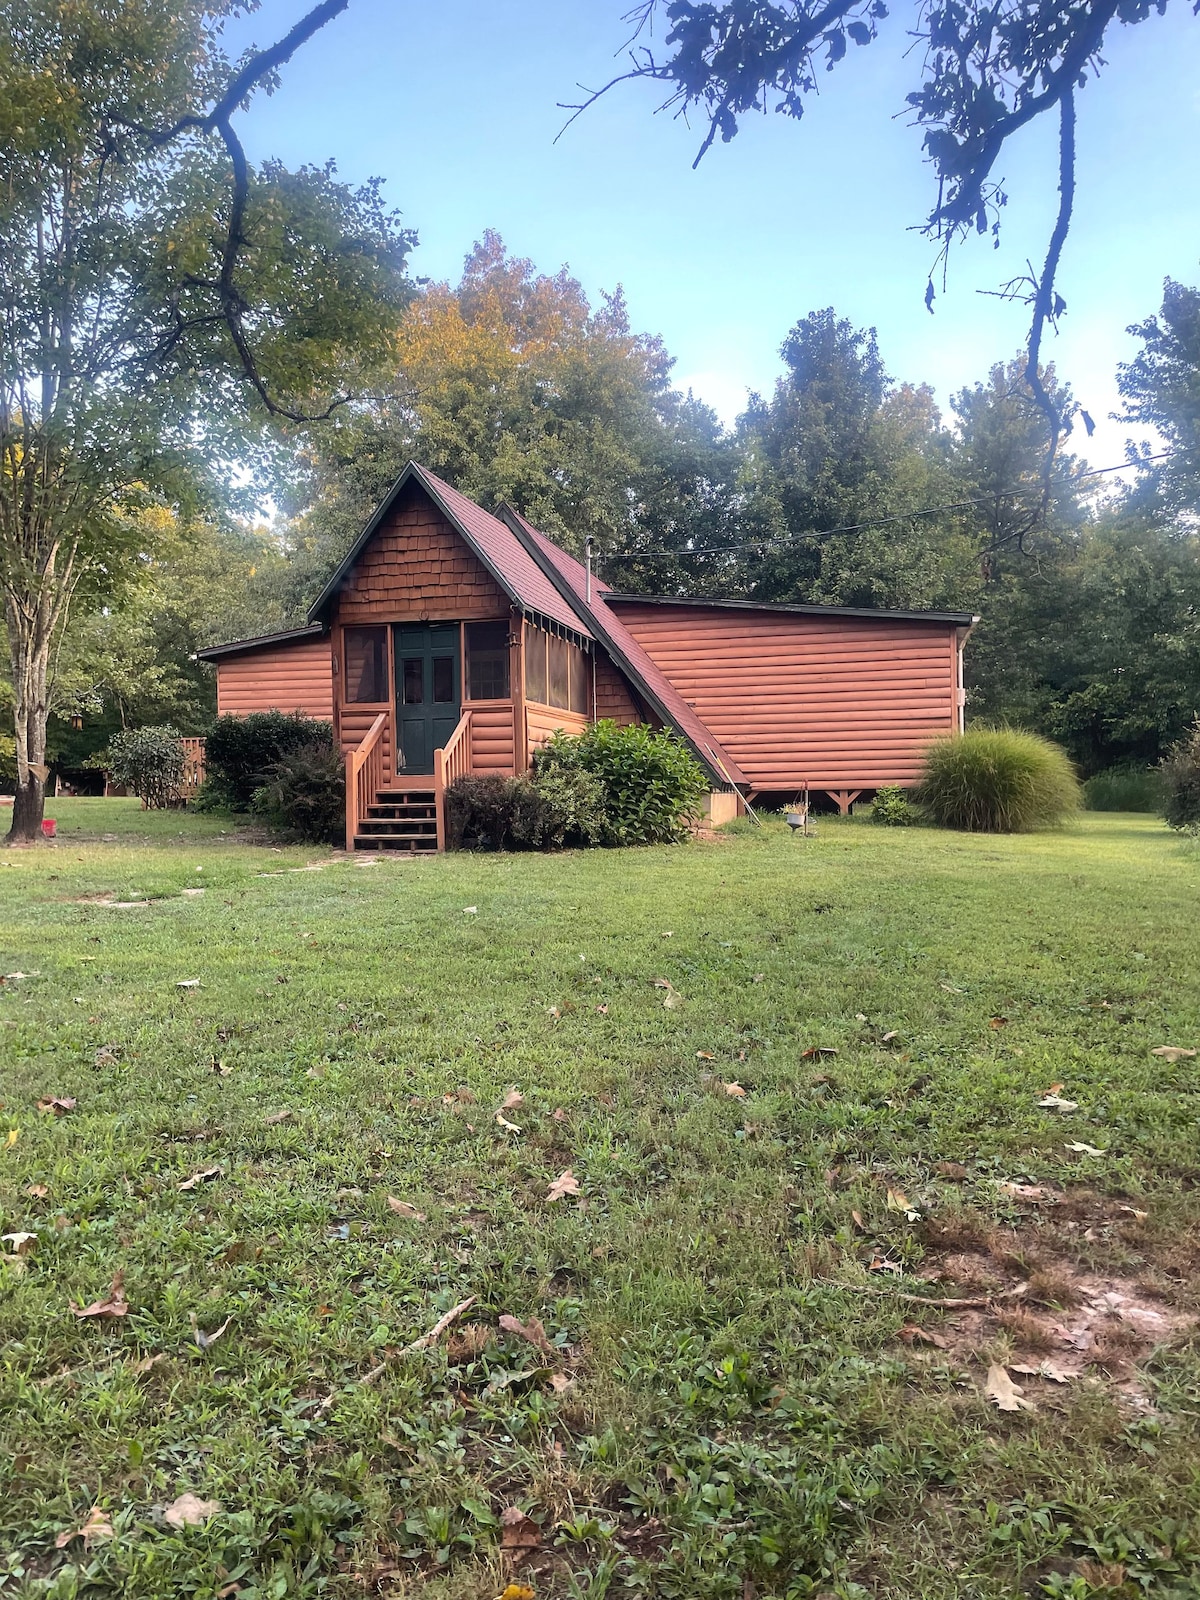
535,665
578,664
487,660
558,652
366,666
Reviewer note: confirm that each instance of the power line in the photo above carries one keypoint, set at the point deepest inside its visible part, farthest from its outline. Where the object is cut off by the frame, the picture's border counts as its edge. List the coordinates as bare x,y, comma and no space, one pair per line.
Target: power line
872,522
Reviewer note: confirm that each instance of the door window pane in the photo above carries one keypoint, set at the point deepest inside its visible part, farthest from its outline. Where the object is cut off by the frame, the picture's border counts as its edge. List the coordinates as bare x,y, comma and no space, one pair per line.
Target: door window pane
414,681
487,660
535,665
443,679
559,672
366,665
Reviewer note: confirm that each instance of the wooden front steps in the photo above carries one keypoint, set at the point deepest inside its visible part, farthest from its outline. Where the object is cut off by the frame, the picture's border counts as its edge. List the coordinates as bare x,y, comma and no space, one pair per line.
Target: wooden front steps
400,819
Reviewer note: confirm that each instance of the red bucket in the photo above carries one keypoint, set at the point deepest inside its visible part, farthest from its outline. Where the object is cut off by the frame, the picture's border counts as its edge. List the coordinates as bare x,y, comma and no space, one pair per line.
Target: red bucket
49,828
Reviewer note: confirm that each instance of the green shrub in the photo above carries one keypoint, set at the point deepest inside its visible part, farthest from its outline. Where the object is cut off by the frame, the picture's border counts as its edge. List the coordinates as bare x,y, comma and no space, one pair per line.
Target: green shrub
150,761
305,794
8,762
1180,773
892,808
653,785
1124,789
241,752
561,806
479,812
998,780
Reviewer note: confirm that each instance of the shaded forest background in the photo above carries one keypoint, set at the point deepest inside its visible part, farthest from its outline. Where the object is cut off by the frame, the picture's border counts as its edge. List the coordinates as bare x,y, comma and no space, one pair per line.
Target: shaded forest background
846,486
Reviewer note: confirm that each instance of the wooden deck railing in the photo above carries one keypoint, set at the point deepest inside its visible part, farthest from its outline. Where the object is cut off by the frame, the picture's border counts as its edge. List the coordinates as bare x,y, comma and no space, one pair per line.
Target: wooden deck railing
452,761
364,776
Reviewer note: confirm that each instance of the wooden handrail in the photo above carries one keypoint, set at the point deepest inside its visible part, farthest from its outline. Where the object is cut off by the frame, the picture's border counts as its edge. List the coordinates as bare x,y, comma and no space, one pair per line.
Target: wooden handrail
452,761
364,776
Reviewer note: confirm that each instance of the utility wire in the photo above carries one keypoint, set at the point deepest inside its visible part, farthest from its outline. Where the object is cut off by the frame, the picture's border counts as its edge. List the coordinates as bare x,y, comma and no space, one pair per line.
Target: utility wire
873,522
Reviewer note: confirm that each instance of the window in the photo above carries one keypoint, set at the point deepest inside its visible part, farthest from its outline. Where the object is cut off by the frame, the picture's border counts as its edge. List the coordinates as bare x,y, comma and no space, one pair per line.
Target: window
559,672
366,665
535,665
443,680
414,681
487,660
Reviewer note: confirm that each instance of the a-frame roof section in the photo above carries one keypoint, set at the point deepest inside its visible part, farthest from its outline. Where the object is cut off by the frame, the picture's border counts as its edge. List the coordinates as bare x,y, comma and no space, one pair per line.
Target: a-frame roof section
493,542
649,679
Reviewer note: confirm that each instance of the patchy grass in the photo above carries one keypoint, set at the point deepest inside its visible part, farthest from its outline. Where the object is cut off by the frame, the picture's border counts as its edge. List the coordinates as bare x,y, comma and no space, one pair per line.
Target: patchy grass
727,1395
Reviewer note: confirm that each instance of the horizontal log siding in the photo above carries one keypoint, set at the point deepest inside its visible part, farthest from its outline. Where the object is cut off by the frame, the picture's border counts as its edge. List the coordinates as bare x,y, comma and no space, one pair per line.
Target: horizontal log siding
541,722
835,702
417,569
355,723
293,677
491,736
613,700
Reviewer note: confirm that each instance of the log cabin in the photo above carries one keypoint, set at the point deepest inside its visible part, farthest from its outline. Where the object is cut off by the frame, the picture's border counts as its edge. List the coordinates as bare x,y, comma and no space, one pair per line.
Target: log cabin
454,641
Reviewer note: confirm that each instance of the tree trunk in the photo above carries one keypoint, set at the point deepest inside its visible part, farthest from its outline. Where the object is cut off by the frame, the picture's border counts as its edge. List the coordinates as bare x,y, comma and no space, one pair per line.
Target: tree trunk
29,648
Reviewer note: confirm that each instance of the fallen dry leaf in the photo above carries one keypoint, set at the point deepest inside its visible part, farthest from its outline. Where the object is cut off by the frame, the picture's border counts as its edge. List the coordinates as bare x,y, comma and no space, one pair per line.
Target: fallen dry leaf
1004,1394
1024,1191
998,1022
953,1170
22,1243
11,1138
603,1010
57,1107
147,1364
951,988
517,1591
532,1332
897,1200
97,1527
37,1191
470,911
403,1209
189,1512
815,1050
115,1306
558,1115
512,1100
1173,1052
911,1334
518,1532
705,1055
560,1383
1139,1216
735,1090
204,1175
1055,1102
505,1123
566,1183
205,1340
1082,1149
187,983
277,1117
1046,1369
889,1036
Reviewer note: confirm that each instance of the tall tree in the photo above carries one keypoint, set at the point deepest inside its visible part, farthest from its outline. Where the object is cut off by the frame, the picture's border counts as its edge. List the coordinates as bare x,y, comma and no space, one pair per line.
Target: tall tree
515,387
990,68
1161,387
161,302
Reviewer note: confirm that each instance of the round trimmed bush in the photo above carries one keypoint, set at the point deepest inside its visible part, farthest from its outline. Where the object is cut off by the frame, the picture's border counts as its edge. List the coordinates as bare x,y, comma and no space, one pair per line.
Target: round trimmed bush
150,761
1180,774
998,780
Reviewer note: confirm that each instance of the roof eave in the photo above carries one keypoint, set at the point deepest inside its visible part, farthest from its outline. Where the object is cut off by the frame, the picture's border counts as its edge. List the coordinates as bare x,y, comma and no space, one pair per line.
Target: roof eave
262,641
960,619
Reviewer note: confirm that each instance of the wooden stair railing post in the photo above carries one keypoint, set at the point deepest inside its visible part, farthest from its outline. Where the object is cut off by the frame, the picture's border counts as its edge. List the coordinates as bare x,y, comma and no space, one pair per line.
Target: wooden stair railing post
364,776
452,761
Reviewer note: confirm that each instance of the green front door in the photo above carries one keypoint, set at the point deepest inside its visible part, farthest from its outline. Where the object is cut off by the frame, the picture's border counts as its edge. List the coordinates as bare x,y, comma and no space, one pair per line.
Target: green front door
429,692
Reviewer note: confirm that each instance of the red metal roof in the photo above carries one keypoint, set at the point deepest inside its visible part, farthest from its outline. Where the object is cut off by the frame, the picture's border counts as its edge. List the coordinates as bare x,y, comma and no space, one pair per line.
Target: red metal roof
607,626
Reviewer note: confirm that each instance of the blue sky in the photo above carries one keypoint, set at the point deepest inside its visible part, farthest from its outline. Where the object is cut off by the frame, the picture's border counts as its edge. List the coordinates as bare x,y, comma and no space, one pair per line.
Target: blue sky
455,104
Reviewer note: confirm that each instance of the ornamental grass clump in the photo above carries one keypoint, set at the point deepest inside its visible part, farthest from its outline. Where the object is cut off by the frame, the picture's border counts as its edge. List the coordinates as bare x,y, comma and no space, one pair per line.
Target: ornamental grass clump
998,780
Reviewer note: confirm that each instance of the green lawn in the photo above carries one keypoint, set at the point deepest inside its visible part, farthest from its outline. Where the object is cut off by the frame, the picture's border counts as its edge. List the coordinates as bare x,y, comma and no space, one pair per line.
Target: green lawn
729,1401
